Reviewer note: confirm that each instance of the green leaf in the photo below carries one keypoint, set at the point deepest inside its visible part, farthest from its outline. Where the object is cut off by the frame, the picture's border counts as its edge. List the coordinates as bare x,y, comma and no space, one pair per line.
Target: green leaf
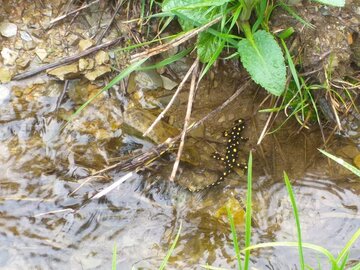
199,11
336,3
263,59
207,45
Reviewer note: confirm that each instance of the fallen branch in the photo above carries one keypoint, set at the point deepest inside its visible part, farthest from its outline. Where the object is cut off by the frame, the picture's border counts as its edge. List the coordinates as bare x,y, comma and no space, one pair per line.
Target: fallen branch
65,60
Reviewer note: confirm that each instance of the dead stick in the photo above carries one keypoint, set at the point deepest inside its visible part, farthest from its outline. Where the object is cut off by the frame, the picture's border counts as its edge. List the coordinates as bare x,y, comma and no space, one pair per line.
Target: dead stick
135,162
72,12
181,85
186,121
65,60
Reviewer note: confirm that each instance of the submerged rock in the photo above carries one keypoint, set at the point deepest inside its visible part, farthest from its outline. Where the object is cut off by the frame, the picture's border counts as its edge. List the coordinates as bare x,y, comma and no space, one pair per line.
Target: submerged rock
8,29
141,120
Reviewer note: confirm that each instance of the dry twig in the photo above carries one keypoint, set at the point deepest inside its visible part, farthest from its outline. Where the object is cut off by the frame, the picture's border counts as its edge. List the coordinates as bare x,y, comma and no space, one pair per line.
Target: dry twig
181,85
187,119
72,12
65,60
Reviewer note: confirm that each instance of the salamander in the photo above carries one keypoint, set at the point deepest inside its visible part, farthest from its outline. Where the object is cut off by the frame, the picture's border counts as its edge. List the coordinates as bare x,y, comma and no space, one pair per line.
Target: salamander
233,139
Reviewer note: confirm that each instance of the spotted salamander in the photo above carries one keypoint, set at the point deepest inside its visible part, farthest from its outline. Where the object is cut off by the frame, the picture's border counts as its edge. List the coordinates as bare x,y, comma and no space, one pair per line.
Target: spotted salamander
233,139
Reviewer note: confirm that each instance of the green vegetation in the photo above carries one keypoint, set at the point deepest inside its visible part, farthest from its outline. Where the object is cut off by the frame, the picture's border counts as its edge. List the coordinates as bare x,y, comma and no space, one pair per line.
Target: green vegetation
337,263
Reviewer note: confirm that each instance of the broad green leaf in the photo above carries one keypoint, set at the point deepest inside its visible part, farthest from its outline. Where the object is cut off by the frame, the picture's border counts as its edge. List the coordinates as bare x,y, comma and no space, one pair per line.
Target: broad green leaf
207,45
336,3
263,59
199,11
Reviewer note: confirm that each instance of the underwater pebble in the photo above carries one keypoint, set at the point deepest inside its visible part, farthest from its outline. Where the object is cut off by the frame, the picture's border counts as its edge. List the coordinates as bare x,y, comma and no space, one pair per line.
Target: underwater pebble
8,29
4,94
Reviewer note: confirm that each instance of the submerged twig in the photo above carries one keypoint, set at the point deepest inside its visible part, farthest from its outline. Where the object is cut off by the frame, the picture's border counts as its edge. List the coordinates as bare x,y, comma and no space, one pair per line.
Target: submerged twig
181,85
187,119
114,185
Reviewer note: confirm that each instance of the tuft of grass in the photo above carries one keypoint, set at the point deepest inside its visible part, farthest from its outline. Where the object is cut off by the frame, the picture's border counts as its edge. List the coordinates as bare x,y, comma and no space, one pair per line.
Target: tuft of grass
114,253
168,254
248,213
342,162
234,236
297,220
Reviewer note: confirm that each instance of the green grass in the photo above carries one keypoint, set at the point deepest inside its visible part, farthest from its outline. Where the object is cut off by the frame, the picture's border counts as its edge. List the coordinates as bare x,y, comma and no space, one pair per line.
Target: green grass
337,262
113,264
166,259
297,219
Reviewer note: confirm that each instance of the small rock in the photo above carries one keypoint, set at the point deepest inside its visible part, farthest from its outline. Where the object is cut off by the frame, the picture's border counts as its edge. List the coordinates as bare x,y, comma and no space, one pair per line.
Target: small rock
149,80
91,64
83,64
101,58
29,45
5,94
5,75
25,36
8,29
23,62
99,71
357,161
85,44
9,56
222,119
41,53
167,83
65,72
18,44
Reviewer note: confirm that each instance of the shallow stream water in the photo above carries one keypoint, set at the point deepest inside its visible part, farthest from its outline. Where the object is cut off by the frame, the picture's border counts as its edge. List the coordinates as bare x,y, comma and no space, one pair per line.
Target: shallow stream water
44,227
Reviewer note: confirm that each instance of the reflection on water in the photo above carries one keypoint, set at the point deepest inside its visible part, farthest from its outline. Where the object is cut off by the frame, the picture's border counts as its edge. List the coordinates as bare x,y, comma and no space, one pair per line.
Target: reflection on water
42,227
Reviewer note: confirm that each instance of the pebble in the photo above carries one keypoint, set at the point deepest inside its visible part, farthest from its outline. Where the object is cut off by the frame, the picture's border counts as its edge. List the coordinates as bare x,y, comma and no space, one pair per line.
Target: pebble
8,29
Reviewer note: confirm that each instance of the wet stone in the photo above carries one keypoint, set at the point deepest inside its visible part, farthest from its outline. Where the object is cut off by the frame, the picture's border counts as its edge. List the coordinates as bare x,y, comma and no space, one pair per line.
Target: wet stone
8,29
9,56
101,58
98,72
5,75
65,72
85,44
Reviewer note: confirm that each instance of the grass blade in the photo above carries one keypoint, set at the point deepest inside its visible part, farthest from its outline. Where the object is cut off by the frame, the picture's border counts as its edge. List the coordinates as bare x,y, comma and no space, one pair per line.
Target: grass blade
344,261
168,254
235,240
356,267
342,162
113,265
296,215
168,60
248,213
317,248
114,81
347,246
